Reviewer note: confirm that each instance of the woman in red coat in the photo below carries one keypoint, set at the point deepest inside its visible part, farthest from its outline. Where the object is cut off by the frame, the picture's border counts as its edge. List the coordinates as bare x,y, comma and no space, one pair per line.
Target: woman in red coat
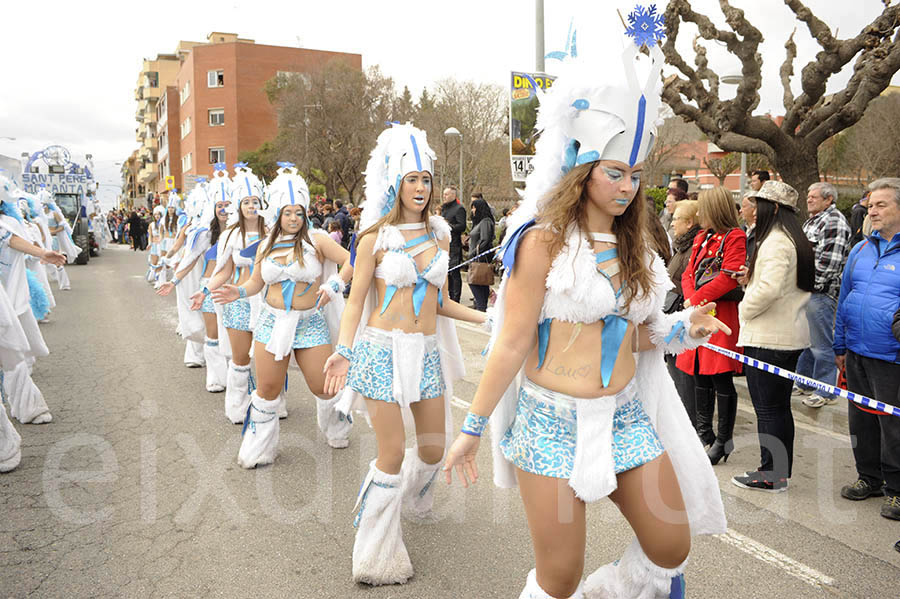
714,373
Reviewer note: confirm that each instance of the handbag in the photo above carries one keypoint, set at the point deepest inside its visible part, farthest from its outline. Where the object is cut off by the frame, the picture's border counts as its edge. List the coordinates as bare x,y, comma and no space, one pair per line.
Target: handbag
673,303
709,268
481,273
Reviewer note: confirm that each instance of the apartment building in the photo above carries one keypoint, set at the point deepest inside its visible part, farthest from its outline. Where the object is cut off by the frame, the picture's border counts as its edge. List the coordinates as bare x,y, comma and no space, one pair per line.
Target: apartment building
206,103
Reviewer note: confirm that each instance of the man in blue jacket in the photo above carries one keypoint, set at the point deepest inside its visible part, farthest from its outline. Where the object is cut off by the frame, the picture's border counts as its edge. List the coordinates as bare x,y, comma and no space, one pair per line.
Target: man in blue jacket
865,344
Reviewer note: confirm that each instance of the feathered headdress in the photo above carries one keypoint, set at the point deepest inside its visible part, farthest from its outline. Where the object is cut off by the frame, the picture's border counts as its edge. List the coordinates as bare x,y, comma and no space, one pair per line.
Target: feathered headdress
286,189
603,106
401,149
7,202
244,184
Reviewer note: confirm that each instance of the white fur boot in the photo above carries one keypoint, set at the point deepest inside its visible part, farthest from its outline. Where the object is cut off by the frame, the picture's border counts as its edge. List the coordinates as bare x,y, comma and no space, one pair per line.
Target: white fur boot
62,278
237,392
259,445
533,590
635,577
10,443
216,366
333,424
193,354
418,485
379,555
282,405
26,403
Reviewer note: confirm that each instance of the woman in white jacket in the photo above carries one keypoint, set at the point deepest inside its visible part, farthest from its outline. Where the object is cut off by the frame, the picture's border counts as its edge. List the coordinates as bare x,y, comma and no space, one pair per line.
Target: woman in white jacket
774,328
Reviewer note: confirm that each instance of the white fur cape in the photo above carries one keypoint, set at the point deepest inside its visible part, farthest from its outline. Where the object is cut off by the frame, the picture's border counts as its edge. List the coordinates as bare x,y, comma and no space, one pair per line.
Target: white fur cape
452,368
576,292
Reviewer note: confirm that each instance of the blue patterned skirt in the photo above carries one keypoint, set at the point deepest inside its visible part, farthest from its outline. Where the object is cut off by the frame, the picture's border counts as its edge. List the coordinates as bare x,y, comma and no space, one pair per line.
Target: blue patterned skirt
236,315
371,371
542,437
311,331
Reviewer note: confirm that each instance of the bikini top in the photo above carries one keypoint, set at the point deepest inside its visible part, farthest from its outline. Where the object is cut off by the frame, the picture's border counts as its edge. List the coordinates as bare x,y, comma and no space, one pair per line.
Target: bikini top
292,273
398,267
237,246
580,290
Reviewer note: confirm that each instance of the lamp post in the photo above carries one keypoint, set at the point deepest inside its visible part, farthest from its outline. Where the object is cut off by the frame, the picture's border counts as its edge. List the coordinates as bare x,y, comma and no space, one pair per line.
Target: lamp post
454,132
736,80
9,138
539,35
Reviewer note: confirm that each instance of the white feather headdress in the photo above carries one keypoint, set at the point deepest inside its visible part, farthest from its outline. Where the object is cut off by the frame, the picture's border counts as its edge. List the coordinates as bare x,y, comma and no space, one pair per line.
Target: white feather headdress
401,149
286,189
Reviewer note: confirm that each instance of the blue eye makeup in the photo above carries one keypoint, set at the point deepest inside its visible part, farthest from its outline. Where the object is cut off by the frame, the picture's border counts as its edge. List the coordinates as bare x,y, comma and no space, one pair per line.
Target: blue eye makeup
636,180
612,174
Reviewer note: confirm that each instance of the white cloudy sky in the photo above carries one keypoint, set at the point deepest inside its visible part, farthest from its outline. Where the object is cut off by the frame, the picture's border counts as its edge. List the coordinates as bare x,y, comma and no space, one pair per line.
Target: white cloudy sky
69,68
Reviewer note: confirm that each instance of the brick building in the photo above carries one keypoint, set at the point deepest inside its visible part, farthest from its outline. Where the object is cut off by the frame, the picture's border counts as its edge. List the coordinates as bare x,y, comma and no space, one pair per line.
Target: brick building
213,106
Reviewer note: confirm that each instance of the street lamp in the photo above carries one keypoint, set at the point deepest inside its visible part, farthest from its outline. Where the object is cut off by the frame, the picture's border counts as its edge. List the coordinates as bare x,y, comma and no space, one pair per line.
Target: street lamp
454,132
9,138
737,80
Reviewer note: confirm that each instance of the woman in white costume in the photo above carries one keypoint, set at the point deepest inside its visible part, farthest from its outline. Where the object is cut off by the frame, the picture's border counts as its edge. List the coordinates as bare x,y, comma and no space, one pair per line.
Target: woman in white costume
13,346
201,249
186,280
398,349
26,403
246,227
168,233
575,415
62,238
28,207
154,239
296,269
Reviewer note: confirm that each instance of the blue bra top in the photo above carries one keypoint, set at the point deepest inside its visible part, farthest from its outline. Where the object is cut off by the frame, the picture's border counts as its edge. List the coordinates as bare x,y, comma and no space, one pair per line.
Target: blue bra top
398,268
288,275
615,326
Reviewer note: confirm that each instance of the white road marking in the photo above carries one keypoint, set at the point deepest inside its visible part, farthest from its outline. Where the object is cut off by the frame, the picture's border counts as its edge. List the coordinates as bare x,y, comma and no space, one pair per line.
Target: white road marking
766,554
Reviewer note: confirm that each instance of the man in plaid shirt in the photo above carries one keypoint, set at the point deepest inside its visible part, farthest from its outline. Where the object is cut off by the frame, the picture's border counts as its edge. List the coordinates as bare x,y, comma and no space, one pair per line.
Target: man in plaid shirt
829,233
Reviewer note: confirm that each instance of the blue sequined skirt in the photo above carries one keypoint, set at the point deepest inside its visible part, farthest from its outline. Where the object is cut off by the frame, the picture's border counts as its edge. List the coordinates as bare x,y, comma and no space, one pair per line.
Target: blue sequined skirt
236,315
208,306
311,331
371,371
542,438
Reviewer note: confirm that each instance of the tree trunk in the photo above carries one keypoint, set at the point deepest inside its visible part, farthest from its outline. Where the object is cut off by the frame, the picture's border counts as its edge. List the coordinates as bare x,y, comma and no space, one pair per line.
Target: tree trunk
799,170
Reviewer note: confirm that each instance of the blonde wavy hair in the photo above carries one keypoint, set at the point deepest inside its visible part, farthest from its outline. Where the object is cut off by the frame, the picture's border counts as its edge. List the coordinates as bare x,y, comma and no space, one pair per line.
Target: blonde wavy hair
565,205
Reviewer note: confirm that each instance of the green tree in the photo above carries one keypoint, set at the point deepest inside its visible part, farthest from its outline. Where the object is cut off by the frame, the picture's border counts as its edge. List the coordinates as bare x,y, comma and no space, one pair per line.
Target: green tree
262,160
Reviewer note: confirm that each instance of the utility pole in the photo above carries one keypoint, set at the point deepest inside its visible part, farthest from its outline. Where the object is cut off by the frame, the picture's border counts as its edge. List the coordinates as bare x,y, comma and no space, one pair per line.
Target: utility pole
539,35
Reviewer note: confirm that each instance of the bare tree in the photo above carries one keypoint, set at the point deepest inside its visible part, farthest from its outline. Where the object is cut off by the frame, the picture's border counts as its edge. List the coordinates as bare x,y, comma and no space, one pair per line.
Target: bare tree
670,136
328,122
873,144
810,118
724,166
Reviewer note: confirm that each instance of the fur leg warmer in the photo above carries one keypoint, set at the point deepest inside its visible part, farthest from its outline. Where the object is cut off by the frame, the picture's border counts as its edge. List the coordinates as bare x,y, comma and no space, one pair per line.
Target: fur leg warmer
193,354
418,485
379,555
259,445
282,405
26,403
216,366
238,387
333,424
10,443
533,590
635,577
62,277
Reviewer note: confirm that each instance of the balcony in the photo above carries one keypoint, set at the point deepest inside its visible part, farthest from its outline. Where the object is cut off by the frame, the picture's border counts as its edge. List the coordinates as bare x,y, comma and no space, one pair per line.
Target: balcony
147,174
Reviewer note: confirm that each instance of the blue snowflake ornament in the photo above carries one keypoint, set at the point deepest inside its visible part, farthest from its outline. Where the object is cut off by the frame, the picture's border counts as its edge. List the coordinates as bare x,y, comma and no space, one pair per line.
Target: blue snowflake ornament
645,26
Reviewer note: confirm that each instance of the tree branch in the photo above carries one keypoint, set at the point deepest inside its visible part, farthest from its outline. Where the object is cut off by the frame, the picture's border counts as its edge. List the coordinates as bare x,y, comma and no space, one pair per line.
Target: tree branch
787,70
703,70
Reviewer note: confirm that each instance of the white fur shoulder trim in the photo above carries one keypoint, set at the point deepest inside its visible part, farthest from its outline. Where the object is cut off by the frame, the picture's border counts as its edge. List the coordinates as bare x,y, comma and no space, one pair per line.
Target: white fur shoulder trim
439,226
389,238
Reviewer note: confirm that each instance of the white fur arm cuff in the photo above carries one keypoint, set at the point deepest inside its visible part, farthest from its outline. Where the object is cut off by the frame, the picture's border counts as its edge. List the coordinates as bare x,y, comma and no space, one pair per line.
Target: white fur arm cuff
673,332
333,286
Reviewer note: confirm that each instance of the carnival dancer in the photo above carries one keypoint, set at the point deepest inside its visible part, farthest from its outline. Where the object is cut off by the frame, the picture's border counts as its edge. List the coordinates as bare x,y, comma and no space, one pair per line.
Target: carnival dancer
168,232
575,417
245,227
154,236
42,299
202,248
13,346
26,403
296,268
62,237
186,279
398,349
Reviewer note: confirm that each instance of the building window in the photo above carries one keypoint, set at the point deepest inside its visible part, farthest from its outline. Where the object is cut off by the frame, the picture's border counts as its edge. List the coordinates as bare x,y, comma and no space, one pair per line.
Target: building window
216,117
185,92
216,155
153,78
185,127
215,78
186,163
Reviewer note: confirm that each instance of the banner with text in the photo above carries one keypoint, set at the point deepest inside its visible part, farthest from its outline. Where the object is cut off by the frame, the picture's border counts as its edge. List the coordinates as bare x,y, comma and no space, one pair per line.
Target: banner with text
523,106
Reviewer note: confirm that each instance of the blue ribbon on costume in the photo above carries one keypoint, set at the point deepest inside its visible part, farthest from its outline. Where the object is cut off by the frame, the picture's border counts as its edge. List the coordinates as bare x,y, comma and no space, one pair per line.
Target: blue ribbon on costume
677,329
421,286
250,251
639,131
197,236
285,164
543,340
614,329
353,250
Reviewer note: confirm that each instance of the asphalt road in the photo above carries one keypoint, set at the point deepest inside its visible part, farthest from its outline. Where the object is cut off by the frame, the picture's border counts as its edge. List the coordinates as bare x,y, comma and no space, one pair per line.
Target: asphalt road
133,490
